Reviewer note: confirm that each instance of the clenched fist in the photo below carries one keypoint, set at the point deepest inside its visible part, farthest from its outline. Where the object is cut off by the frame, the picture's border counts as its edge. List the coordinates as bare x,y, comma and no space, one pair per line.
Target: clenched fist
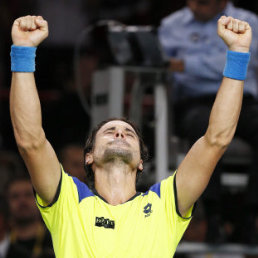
29,31
236,34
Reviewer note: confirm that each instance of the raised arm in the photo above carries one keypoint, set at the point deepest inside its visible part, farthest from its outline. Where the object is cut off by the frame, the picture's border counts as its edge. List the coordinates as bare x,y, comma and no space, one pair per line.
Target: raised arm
25,109
196,169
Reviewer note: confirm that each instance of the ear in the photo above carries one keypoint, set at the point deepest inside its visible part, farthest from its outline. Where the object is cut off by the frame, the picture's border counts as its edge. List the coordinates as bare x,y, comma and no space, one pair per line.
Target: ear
140,165
88,159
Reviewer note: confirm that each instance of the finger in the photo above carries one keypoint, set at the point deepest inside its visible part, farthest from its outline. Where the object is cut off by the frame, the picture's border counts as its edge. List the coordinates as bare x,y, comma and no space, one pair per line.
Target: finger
33,24
230,24
224,20
41,23
241,27
17,22
221,23
235,24
24,23
29,21
247,26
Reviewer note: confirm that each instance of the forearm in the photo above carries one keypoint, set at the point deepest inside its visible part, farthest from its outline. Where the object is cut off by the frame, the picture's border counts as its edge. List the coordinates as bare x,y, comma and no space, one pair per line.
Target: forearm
196,169
26,111
40,158
225,113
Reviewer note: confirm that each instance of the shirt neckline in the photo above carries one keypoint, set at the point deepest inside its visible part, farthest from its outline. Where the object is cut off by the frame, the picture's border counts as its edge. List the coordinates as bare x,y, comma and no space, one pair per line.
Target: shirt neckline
103,199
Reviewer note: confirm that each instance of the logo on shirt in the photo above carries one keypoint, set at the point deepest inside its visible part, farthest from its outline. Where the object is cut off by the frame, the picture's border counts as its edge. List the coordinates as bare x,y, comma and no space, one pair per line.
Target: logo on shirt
147,210
106,223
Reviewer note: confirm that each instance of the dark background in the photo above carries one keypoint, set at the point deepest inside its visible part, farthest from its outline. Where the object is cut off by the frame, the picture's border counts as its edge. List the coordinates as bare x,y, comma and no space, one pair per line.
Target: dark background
64,120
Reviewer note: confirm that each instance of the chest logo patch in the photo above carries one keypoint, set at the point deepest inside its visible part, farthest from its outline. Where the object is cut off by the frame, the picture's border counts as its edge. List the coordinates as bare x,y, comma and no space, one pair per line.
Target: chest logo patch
106,223
147,210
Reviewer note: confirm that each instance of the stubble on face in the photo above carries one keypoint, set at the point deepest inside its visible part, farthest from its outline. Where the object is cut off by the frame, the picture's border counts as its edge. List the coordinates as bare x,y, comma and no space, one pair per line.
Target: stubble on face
23,208
117,150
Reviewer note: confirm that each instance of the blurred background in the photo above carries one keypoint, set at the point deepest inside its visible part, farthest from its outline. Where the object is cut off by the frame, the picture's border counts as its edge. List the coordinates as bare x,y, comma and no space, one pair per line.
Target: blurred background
69,67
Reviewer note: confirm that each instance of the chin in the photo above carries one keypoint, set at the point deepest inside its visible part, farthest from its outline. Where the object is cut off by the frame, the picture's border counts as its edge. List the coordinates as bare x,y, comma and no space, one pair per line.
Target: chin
118,153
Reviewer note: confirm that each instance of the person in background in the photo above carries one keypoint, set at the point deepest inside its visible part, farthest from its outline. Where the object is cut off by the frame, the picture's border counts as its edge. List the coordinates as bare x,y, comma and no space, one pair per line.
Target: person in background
11,166
28,234
188,37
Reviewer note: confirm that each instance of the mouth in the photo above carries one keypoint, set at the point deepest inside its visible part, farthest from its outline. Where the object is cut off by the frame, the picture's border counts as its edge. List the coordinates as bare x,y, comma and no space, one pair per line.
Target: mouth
119,142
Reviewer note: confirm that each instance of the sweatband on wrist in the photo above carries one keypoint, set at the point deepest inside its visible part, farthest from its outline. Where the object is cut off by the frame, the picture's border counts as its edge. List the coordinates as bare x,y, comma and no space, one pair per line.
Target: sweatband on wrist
236,65
23,59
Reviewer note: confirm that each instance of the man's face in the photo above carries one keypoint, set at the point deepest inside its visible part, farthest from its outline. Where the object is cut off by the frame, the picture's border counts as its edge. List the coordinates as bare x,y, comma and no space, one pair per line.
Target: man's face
21,202
205,10
117,140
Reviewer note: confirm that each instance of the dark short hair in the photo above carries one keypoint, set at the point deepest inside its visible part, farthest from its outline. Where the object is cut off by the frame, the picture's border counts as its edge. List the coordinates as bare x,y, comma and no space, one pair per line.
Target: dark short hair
14,180
90,141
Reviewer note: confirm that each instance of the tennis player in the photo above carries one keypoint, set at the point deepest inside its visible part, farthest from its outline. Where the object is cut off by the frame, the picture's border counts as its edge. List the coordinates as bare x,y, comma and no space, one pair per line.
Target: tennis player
107,217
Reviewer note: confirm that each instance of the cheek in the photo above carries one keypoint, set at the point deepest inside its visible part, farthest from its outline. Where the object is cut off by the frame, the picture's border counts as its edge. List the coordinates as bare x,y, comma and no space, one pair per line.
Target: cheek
97,146
13,206
101,142
137,151
98,149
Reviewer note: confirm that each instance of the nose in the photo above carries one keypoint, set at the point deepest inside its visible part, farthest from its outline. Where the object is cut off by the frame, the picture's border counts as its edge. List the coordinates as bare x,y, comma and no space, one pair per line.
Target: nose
119,134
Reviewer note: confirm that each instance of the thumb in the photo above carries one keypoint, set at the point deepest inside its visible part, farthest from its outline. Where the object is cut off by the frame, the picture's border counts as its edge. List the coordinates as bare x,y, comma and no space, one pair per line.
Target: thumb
225,28
222,23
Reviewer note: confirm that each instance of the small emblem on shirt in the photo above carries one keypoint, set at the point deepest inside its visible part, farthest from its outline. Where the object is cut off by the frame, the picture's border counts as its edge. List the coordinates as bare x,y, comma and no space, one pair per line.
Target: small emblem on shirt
147,210
106,223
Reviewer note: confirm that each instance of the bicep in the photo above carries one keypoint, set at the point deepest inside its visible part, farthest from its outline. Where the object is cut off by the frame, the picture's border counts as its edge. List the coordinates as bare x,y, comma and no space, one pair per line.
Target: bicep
44,169
195,171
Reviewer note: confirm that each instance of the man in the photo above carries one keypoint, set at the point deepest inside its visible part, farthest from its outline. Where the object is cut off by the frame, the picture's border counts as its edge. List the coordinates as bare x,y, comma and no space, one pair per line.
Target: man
196,60
113,220
28,235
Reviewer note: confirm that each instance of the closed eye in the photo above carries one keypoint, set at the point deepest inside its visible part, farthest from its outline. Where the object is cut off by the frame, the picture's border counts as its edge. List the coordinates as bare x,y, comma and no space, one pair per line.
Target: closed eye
109,132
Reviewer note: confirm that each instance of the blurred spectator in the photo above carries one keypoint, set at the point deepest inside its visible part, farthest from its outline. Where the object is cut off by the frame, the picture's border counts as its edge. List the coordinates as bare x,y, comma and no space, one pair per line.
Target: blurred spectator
197,61
71,157
11,166
28,233
6,249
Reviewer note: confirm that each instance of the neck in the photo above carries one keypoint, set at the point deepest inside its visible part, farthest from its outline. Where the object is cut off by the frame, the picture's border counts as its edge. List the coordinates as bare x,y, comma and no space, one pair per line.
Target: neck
115,182
24,232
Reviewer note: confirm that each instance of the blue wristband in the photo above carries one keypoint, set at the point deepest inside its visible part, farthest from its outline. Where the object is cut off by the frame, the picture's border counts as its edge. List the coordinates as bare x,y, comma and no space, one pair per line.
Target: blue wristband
23,59
236,65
